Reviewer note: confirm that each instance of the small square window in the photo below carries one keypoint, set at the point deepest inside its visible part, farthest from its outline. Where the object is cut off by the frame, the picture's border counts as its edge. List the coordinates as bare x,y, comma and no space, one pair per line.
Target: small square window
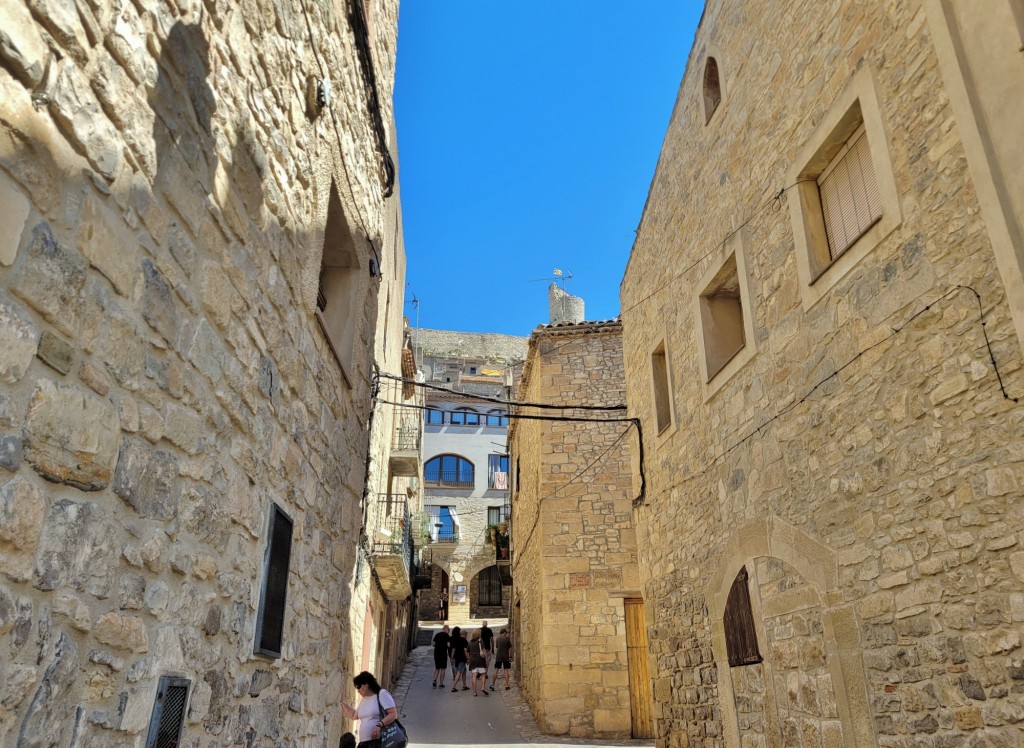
721,312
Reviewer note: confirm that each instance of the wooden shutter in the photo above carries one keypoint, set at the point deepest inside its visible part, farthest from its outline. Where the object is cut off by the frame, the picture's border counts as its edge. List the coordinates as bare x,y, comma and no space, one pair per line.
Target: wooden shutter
850,201
270,622
740,633
168,713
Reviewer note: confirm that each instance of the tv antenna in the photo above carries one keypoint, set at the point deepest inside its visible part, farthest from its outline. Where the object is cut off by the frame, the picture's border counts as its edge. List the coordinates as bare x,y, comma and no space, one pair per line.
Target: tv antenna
557,276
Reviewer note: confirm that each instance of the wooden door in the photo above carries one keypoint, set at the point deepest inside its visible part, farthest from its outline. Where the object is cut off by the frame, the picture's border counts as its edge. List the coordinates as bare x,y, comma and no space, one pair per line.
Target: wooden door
640,700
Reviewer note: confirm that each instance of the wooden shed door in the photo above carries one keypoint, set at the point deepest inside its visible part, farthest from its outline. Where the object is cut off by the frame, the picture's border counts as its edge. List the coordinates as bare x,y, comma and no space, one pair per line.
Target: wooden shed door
639,678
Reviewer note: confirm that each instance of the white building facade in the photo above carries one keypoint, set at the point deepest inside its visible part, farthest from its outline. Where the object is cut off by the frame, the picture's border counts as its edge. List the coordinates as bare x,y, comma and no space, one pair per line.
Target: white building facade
464,524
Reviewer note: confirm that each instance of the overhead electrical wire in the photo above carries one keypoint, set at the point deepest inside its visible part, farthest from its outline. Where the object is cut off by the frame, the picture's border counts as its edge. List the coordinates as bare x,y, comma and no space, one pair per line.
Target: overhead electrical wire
576,477
496,400
807,395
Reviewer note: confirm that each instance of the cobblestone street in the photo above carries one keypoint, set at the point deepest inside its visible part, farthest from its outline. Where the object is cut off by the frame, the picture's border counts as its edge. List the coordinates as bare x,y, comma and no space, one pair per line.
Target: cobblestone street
438,717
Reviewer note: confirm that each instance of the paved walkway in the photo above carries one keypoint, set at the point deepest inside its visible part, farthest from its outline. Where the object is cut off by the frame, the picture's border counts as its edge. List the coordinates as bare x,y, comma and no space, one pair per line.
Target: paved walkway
439,718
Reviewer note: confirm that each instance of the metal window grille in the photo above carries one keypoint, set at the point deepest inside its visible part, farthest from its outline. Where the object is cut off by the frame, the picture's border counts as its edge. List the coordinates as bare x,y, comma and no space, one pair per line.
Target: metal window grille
270,623
850,201
168,718
321,297
740,633
490,586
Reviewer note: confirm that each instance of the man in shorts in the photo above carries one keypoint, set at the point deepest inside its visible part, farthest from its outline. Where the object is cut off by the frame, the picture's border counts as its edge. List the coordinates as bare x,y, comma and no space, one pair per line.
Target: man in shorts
502,656
486,645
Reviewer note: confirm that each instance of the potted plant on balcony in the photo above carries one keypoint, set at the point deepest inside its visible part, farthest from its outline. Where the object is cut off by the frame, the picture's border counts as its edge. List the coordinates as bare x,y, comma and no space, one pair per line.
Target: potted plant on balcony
502,539
491,535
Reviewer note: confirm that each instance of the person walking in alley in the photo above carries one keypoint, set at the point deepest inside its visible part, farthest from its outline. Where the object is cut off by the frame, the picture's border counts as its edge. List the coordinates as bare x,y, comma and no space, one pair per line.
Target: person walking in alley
376,708
502,657
440,641
486,644
458,650
477,663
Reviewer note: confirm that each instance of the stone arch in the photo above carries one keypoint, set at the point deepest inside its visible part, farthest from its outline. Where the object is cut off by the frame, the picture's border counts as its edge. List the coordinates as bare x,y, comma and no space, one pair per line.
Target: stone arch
815,572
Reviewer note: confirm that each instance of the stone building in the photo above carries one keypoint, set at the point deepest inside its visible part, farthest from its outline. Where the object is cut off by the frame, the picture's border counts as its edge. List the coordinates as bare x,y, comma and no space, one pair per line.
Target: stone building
468,376
578,622
831,536
199,265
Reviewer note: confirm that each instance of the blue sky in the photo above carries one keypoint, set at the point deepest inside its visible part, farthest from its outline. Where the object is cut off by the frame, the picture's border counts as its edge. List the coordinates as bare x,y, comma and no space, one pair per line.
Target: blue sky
528,135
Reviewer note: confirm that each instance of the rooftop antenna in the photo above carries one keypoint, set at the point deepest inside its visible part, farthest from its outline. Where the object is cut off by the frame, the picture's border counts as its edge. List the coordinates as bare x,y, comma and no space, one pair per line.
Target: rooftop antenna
557,276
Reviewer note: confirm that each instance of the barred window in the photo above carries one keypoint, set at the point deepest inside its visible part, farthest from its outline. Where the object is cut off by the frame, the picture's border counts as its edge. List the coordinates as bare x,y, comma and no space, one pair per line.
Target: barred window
270,621
168,717
489,586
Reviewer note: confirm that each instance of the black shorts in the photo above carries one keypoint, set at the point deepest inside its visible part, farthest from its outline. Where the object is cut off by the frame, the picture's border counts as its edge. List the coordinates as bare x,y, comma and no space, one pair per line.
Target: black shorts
502,665
440,659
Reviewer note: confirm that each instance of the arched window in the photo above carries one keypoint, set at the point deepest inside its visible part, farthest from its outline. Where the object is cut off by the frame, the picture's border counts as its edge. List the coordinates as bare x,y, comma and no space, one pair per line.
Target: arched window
712,88
497,418
448,471
740,633
489,586
464,417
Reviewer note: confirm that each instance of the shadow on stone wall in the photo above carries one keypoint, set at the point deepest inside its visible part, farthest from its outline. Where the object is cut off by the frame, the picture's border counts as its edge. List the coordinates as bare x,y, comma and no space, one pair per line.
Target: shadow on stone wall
188,141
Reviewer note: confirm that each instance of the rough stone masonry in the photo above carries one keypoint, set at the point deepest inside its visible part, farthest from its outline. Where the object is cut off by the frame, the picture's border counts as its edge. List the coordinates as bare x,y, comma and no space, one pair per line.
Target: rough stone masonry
830,455
165,176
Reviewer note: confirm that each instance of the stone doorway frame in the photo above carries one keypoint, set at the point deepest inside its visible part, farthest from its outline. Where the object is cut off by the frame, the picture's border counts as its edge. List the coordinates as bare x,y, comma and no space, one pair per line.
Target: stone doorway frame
816,563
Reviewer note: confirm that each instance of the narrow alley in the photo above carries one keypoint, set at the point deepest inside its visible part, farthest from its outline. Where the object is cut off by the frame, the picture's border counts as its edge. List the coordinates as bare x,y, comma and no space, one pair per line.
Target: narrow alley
438,717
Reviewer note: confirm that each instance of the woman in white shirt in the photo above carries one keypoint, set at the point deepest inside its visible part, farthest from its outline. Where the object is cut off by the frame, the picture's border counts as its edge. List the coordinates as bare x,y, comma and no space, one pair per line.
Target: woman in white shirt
373,700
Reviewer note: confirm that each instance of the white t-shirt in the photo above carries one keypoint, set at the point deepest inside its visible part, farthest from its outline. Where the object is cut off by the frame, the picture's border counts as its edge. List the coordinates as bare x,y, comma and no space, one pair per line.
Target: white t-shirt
369,713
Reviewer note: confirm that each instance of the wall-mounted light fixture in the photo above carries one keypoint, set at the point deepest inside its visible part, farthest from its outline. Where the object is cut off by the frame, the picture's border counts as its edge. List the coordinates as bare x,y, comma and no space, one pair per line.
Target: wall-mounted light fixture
318,95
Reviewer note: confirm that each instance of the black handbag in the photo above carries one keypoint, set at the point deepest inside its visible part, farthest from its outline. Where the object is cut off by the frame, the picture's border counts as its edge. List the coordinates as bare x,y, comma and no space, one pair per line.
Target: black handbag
393,735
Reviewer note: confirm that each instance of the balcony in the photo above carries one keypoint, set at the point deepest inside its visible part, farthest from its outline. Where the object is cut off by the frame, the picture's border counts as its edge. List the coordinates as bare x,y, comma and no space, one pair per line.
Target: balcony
449,479
391,545
405,442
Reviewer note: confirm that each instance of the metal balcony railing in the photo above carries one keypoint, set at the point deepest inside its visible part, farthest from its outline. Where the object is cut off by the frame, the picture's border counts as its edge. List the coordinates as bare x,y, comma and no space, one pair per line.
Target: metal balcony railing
448,479
448,535
408,432
392,535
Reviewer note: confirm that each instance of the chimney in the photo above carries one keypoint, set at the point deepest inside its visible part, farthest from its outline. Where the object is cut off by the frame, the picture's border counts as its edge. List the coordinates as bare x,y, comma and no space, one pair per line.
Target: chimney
564,307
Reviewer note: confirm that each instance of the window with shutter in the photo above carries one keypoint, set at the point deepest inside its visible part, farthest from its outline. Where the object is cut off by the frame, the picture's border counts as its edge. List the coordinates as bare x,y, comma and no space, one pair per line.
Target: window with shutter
270,621
850,201
168,717
740,633
844,200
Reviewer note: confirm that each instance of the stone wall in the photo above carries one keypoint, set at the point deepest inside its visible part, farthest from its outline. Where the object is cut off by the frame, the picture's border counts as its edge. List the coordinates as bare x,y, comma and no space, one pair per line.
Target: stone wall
453,344
573,543
164,191
859,441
